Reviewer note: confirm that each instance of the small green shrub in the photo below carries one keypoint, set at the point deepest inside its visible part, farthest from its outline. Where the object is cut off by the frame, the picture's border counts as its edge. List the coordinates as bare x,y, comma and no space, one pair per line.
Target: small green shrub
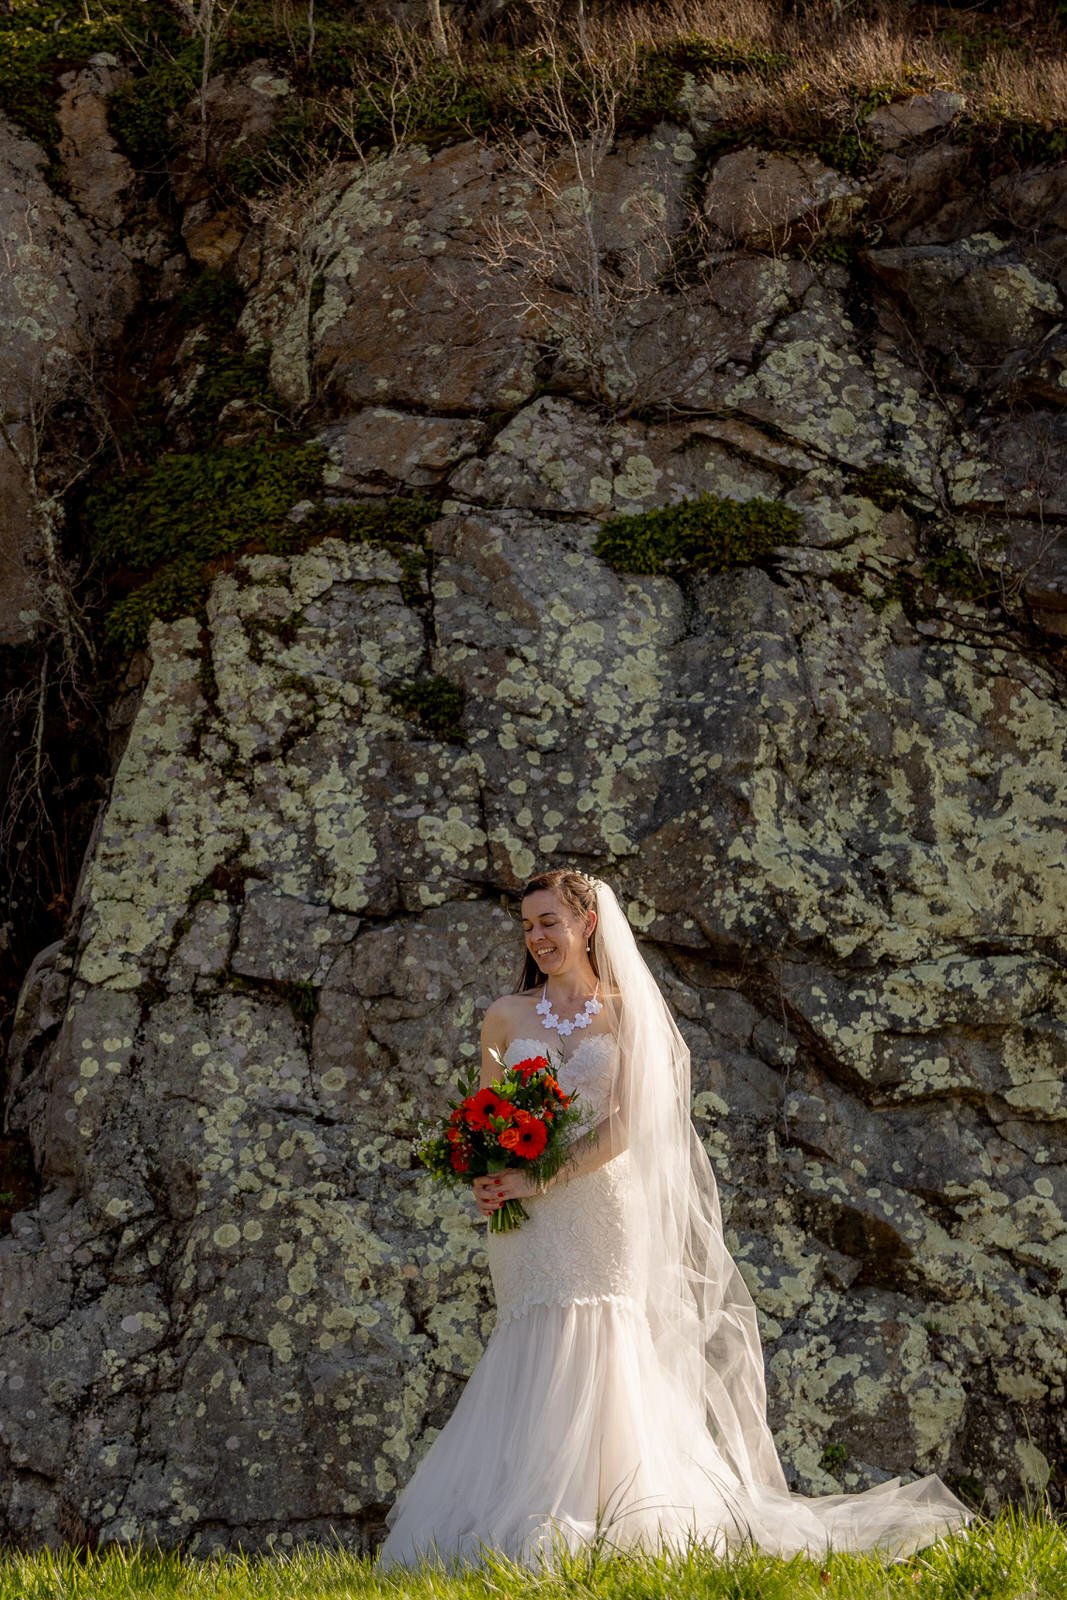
847,151
834,1457
886,485
434,701
303,998
947,570
1029,141
139,112
956,571
841,252
709,534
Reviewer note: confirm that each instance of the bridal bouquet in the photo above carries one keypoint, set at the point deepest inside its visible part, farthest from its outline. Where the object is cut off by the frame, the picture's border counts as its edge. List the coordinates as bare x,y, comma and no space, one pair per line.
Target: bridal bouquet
523,1119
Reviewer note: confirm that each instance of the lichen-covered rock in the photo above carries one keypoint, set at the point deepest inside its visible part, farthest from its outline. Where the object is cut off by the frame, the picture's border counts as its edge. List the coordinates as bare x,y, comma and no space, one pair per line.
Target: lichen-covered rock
380,450
64,292
841,845
387,298
813,378
974,300
766,200
238,1311
425,281
919,114
555,457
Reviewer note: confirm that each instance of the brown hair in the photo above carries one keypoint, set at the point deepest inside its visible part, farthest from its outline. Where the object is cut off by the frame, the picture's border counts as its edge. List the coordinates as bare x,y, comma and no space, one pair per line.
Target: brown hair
579,895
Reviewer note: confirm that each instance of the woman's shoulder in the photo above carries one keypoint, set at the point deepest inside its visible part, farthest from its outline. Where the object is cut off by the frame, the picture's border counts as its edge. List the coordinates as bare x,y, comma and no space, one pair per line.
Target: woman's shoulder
506,1006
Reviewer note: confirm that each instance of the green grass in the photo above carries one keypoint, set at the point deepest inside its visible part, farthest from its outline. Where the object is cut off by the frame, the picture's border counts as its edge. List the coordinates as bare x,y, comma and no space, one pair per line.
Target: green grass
1007,1557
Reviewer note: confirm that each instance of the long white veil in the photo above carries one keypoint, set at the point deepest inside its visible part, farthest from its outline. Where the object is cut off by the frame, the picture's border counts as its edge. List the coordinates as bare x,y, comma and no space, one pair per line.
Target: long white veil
699,1309
702,1316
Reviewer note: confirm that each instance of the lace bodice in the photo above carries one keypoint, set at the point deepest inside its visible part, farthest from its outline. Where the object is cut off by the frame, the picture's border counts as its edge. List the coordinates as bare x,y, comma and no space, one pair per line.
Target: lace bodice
589,1070
578,1242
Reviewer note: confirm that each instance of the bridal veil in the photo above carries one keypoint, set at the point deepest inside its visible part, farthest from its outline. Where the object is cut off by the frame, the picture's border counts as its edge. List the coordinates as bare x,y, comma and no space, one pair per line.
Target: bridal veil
701,1315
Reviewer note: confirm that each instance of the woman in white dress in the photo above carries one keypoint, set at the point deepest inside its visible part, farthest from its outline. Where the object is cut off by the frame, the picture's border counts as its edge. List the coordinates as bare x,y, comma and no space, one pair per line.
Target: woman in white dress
621,1396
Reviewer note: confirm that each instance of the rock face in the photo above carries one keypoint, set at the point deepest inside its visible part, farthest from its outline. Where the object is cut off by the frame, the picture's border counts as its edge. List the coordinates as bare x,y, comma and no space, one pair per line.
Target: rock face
768,201
239,1312
65,288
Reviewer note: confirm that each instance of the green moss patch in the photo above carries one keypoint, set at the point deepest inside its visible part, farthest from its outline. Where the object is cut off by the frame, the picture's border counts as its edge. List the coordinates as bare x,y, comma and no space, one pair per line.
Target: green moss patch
206,503
707,534
947,571
164,529
434,701
886,485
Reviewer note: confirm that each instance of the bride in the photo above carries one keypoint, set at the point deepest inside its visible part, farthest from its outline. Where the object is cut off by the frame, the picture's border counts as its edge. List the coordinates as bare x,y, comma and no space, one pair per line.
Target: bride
621,1396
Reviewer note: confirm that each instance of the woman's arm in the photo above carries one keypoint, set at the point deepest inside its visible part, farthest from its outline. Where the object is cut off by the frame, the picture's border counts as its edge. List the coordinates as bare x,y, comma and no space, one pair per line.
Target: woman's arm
606,1141
493,1038
491,1192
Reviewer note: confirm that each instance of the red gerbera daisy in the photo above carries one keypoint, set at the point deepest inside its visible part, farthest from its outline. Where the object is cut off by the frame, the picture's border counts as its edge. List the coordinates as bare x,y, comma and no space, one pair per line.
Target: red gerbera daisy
527,1137
480,1108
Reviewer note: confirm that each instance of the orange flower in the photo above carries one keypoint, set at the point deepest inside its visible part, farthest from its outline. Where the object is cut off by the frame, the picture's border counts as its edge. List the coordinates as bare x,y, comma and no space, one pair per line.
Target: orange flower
527,1138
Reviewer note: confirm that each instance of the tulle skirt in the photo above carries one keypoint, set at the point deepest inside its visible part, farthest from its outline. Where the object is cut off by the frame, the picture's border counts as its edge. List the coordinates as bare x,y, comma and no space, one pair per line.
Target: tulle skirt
569,1433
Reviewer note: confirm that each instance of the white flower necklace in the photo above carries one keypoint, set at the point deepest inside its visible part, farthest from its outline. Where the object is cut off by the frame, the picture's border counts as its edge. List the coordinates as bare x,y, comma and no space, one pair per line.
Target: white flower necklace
582,1020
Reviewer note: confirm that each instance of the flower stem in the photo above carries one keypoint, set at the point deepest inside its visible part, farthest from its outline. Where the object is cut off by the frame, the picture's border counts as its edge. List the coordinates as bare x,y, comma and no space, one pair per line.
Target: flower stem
512,1214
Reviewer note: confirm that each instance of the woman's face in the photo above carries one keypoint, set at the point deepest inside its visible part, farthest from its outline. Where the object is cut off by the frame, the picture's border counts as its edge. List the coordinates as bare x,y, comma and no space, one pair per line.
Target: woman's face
555,936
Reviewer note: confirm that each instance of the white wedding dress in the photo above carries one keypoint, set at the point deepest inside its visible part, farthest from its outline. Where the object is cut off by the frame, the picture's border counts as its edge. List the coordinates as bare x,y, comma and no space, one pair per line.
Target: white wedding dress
570,1429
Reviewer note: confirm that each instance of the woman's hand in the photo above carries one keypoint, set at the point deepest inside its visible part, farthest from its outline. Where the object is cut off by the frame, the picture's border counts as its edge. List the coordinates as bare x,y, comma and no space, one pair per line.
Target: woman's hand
490,1192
